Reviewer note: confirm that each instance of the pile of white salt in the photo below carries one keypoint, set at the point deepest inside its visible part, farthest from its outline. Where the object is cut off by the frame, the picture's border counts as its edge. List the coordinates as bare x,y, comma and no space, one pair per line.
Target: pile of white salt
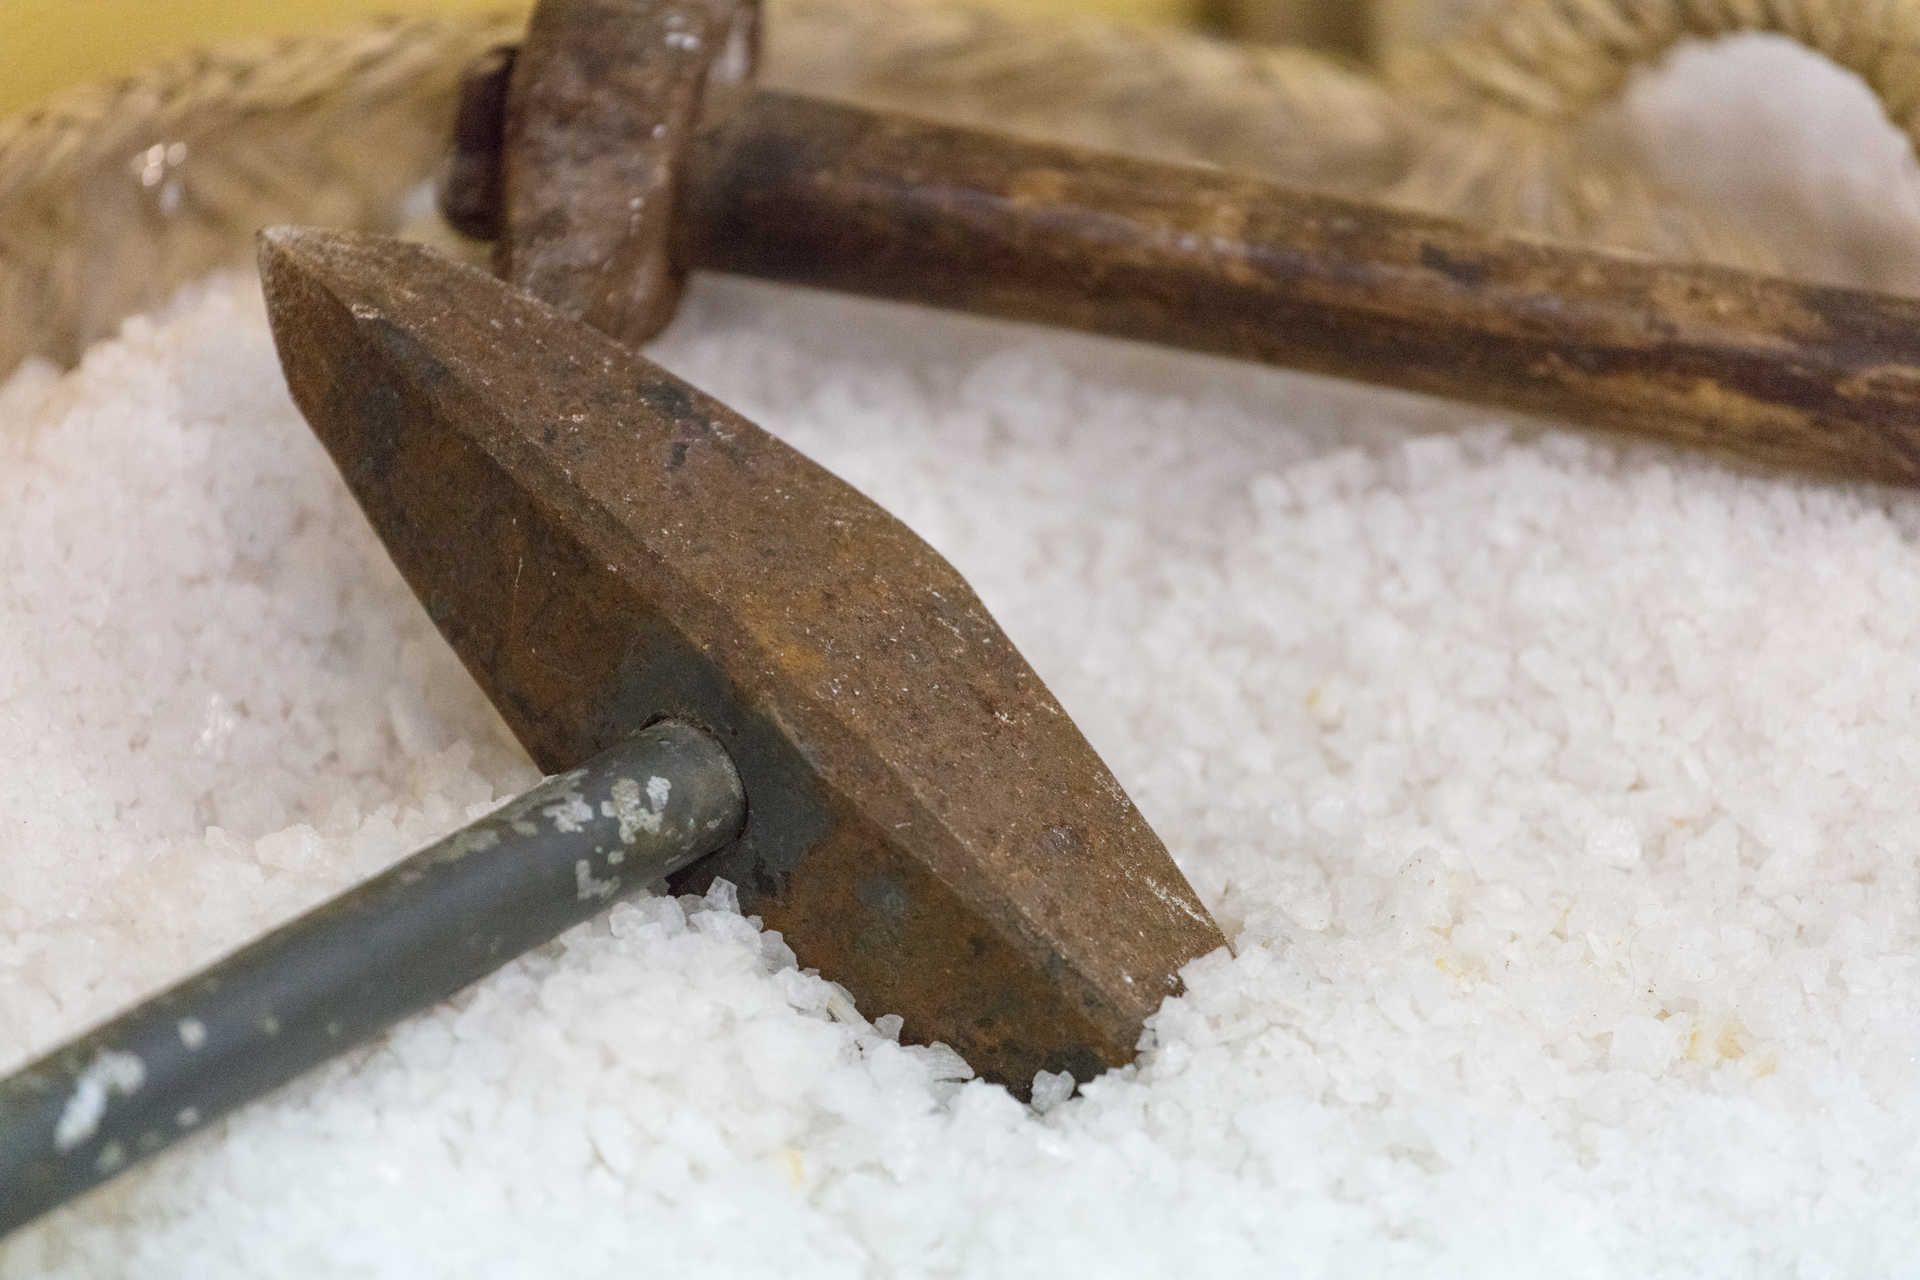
1558,799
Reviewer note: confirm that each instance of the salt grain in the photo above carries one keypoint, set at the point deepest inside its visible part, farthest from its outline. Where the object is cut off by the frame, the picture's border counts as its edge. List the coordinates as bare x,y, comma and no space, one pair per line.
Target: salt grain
109,1074
1050,1089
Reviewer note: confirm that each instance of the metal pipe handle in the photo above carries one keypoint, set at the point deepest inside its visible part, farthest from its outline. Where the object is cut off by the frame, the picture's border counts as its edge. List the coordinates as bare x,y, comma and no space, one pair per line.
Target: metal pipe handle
351,968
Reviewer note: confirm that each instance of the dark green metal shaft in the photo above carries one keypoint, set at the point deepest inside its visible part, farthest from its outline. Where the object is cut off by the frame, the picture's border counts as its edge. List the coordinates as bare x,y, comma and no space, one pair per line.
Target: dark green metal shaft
347,970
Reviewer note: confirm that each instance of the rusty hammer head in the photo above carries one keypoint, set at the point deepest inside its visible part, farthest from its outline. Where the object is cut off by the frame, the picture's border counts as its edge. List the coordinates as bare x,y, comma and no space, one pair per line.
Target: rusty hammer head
571,149
605,546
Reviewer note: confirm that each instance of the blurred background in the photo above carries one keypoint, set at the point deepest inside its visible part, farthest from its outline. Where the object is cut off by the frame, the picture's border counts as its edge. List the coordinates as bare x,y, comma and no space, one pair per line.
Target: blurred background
46,44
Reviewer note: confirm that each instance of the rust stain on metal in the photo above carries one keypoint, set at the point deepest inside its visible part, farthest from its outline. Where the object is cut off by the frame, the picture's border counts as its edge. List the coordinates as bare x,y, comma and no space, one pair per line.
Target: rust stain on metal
604,546
604,96
832,196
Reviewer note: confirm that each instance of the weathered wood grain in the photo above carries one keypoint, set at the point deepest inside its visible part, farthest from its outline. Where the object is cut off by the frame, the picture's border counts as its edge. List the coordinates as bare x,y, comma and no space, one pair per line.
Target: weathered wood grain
816,193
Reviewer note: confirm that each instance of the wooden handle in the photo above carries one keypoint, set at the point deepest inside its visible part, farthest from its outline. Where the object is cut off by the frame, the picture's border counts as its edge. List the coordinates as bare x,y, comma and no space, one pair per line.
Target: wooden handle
820,194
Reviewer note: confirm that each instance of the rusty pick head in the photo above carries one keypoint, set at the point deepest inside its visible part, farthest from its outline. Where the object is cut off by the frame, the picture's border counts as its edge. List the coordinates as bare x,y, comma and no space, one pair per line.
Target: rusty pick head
604,546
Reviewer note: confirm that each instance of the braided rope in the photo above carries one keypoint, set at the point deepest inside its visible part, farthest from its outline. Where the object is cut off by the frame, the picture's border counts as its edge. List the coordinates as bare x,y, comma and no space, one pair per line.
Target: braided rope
112,196
228,87
1148,91
1557,60
1532,78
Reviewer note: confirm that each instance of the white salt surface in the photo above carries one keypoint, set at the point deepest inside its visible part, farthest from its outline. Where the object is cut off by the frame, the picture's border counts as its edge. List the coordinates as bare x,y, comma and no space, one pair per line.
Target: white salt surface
1558,799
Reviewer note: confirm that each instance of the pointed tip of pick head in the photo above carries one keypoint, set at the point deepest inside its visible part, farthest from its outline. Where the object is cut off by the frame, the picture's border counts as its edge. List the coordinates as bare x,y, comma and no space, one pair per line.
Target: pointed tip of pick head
327,293
274,249
288,253
322,286
301,279
288,241
282,236
292,260
278,247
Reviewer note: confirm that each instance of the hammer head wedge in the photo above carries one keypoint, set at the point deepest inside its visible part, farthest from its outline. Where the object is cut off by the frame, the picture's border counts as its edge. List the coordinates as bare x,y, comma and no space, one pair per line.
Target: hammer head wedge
606,546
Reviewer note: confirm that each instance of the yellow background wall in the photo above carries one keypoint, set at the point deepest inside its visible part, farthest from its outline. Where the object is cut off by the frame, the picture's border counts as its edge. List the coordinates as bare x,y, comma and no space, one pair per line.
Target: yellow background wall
46,44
